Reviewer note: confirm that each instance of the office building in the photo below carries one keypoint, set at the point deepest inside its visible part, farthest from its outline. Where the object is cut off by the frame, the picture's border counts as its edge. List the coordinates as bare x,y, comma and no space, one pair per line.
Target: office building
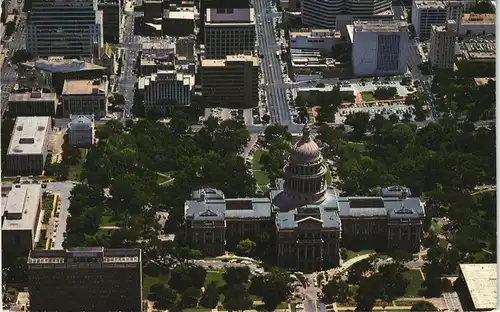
179,22
309,219
85,97
27,150
34,103
477,286
81,130
85,279
231,82
111,19
426,13
316,39
442,45
52,72
229,32
166,90
70,28
477,24
379,48
336,14
21,218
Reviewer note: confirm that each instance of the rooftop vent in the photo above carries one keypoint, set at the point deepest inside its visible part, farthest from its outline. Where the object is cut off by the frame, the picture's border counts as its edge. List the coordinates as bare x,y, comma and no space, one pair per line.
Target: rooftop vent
19,128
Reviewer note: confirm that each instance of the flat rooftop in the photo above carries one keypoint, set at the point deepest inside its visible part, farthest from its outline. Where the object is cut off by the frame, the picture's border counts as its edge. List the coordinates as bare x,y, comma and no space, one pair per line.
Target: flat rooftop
32,97
85,254
21,208
59,65
481,280
187,79
480,19
230,59
28,135
229,16
426,4
315,33
185,15
84,87
380,26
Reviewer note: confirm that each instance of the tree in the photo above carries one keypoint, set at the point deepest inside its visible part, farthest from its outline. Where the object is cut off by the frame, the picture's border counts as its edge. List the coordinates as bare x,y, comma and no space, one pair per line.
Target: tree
360,121
189,297
236,275
357,270
237,298
274,288
245,247
210,297
336,290
185,276
164,297
424,306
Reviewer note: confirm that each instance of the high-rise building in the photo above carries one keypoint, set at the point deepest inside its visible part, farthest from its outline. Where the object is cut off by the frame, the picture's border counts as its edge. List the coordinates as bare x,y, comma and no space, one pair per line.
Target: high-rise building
70,28
229,32
379,48
111,19
442,45
426,13
231,82
335,14
85,279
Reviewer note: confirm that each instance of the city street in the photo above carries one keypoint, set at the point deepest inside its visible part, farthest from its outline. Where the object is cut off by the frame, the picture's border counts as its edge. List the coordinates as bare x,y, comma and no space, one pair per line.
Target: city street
9,74
275,86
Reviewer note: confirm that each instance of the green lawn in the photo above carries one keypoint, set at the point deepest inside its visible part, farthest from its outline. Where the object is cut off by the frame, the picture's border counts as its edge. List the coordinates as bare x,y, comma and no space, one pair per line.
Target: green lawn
48,205
356,145
148,281
352,254
107,220
162,179
368,96
259,175
438,229
42,242
213,276
415,283
328,177
75,172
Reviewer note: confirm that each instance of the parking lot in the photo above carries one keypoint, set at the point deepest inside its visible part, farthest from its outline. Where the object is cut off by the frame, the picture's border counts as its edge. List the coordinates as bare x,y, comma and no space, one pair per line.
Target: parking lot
383,108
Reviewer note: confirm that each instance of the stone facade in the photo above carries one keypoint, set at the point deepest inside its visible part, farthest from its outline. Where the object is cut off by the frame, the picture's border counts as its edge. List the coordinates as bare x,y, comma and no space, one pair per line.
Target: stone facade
307,219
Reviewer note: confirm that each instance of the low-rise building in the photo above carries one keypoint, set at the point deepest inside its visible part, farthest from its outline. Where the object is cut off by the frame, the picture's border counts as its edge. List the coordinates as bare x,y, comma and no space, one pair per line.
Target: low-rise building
166,90
34,103
478,51
21,218
320,39
81,130
477,24
27,152
231,82
52,72
85,97
156,56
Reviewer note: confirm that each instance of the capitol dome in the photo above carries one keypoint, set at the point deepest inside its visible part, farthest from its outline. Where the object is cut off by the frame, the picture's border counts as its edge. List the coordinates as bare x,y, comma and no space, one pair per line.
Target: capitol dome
305,150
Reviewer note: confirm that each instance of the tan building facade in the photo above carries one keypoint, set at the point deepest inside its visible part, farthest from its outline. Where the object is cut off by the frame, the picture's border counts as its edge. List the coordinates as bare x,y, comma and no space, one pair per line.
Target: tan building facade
442,45
232,82
85,97
32,104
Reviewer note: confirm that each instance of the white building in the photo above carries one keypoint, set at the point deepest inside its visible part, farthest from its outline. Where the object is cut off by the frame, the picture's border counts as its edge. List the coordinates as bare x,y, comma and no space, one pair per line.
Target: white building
477,24
336,14
28,145
81,130
85,97
64,28
166,89
21,218
379,48
229,32
319,39
442,45
426,13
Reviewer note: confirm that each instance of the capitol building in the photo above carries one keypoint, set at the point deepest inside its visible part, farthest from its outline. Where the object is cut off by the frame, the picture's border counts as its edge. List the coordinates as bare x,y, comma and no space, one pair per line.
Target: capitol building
307,221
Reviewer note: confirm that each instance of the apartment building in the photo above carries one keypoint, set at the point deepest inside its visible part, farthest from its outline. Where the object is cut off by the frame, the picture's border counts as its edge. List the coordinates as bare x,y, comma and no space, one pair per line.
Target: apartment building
81,130
34,103
21,218
27,152
229,32
85,279
379,48
336,14
426,13
70,28
166,90
111,19
231,82
85,97
442,45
